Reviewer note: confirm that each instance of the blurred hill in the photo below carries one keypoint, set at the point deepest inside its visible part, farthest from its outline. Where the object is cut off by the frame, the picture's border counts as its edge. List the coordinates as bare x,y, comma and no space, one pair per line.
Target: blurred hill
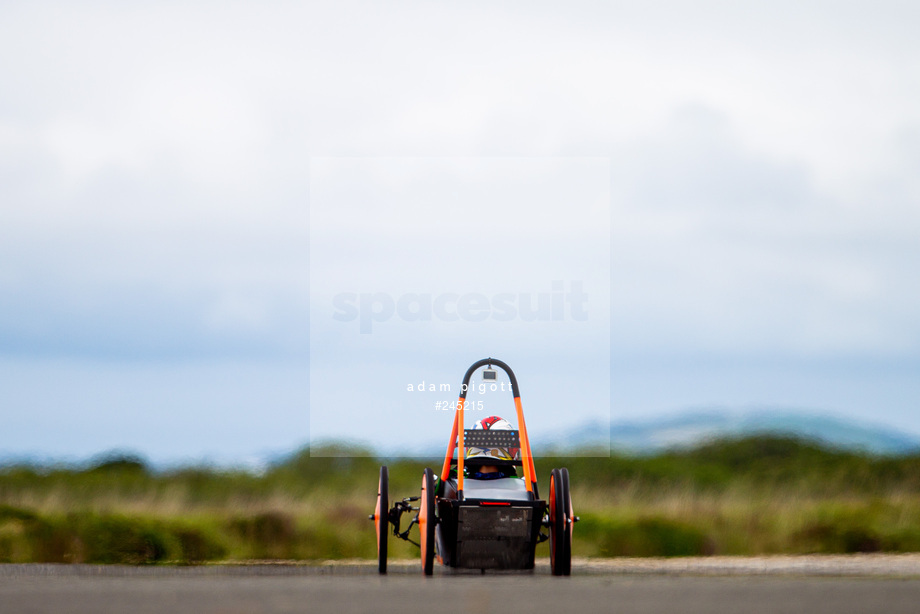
692,428
682,430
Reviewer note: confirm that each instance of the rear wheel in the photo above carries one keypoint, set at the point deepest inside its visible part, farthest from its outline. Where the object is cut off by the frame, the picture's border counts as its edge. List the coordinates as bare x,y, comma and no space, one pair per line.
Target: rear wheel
381,519
569,521
560,523
426,522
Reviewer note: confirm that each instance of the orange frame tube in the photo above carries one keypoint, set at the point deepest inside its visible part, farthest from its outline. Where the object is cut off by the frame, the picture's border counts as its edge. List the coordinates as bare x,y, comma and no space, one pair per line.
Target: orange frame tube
526,456
451,446
460,446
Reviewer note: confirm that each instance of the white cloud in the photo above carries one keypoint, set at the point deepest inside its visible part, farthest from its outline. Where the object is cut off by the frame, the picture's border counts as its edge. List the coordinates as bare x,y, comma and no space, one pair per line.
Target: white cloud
735,251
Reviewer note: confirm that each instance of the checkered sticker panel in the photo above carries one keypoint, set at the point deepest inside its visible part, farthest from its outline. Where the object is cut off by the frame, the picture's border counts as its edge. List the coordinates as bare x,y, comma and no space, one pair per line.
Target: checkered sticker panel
482,438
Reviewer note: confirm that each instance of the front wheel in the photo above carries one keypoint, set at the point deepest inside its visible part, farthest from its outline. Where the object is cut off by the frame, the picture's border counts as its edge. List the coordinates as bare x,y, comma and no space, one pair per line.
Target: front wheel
381,518
561,520
426,522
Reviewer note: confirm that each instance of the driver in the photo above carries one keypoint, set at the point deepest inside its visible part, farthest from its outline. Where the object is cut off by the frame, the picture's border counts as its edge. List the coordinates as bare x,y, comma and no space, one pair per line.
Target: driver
493,472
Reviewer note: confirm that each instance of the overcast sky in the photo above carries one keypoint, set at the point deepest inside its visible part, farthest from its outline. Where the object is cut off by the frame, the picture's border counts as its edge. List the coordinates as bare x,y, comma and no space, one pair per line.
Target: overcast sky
158,172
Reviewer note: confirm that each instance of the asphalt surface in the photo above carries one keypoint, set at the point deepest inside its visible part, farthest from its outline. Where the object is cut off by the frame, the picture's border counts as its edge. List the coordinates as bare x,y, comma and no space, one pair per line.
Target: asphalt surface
781,584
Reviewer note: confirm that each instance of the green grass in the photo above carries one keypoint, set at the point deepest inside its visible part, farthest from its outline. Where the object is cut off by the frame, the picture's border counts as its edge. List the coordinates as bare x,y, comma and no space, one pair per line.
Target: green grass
757,495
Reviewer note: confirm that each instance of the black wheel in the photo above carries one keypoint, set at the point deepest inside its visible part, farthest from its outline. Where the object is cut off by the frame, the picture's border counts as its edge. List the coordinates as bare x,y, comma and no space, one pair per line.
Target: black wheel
426,522
381,519
560,524
569,520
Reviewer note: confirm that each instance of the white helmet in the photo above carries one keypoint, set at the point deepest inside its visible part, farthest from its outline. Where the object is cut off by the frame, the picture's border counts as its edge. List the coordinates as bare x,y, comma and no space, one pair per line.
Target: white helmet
494,423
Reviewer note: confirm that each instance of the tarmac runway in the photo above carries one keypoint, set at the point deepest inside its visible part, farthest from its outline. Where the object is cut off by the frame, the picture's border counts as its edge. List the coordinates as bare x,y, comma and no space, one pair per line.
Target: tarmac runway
888,584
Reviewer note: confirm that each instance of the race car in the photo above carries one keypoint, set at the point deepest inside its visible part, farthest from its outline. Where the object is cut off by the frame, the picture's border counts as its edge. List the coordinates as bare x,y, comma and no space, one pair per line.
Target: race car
479,514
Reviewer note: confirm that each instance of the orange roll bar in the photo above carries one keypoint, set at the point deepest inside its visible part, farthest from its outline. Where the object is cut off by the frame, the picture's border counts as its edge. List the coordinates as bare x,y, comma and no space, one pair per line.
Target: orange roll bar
456,443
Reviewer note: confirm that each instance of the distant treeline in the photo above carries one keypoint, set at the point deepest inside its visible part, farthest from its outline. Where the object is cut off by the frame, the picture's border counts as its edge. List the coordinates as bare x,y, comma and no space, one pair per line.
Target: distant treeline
755,495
